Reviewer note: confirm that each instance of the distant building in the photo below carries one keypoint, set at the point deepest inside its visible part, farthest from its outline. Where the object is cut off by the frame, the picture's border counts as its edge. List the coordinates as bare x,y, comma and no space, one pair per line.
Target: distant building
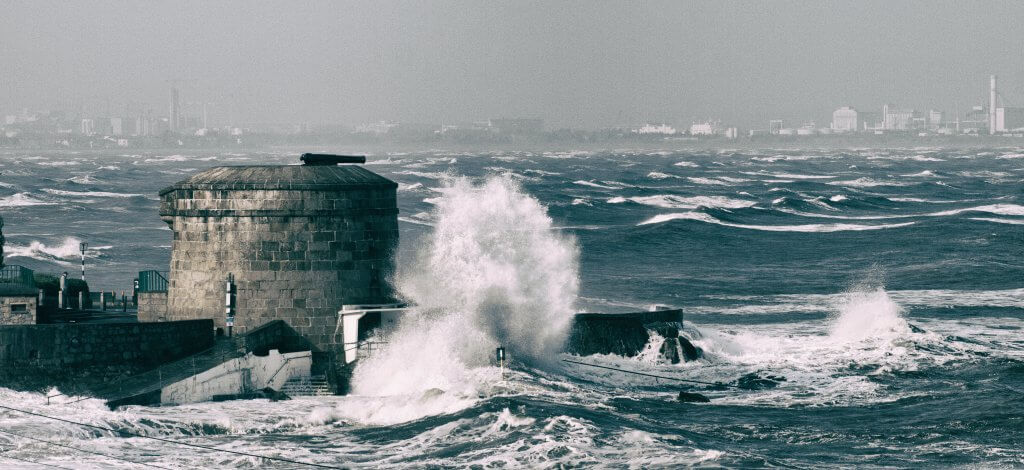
655,129
517,126
732,133
775,126
116,127
706,128
976,121
895,119
174,114
88,127
1008,119
845,119
869,120
936,119
378,128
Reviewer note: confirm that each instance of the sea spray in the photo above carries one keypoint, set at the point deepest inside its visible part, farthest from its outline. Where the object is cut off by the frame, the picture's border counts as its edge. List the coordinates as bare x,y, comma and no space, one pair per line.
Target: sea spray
868,315
493,272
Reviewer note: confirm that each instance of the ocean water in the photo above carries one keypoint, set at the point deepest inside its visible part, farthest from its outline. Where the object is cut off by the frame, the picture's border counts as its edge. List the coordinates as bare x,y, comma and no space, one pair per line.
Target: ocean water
882,288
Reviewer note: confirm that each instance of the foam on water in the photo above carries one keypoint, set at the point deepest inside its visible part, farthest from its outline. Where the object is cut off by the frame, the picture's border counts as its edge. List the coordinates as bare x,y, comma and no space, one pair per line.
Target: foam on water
22,200
69,249
492,271
811,228
671,201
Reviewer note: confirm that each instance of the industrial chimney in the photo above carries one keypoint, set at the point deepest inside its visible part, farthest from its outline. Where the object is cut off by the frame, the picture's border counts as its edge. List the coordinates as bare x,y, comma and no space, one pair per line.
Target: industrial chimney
992,105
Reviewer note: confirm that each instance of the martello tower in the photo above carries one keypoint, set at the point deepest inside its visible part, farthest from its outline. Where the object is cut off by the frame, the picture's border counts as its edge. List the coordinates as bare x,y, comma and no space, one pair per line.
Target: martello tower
299,240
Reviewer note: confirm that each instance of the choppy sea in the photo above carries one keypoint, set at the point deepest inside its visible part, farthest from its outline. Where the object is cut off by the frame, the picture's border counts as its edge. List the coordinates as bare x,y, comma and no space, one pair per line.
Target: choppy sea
882,289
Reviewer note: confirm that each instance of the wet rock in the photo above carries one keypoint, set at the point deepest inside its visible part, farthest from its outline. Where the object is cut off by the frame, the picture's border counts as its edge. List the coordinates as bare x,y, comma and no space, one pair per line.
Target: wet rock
275,395
915,328
754,382
690,352
691,397
670,350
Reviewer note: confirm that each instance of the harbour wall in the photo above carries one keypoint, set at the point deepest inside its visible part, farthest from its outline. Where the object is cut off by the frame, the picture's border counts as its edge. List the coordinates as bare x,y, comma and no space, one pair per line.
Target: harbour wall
69,346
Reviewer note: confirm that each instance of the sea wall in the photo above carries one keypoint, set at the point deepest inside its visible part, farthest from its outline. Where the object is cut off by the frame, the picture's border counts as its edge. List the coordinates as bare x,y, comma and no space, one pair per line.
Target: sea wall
83,345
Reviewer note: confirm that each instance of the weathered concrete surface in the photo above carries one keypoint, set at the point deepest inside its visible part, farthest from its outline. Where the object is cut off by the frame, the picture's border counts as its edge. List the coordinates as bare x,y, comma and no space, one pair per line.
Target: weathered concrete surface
300,240
239,376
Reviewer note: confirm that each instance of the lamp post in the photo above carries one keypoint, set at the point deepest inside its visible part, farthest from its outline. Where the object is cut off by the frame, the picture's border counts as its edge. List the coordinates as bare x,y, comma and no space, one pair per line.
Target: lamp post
82,246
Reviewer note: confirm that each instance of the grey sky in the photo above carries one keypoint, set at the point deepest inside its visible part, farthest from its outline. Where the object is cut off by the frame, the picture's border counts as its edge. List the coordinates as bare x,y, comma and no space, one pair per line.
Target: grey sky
571,63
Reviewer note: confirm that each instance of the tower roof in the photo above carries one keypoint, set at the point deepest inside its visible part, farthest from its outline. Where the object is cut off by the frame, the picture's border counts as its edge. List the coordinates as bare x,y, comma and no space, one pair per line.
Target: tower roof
288,177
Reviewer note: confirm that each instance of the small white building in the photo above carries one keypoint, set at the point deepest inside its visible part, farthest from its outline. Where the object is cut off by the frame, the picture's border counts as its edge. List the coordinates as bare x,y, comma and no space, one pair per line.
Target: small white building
845,119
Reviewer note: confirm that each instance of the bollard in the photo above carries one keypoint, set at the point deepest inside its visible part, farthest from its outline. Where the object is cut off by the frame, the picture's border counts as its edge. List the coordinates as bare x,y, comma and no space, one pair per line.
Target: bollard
62,294
124,302
500,355
42,298
103,301
81,300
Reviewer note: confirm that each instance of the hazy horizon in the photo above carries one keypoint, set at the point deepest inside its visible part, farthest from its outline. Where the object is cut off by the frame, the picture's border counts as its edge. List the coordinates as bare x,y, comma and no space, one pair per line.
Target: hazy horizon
573,64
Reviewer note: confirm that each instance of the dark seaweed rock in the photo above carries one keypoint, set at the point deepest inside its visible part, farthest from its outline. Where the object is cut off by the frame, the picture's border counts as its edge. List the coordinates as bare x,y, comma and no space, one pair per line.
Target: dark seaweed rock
690,397
754,382
690,352
670,350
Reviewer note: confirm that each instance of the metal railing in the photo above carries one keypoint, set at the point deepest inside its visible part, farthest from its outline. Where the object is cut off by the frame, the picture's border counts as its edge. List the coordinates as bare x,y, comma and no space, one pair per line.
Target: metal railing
14,274
152,281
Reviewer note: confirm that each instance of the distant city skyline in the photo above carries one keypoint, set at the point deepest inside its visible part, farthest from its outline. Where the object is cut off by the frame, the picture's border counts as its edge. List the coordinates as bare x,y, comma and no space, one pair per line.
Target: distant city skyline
575,65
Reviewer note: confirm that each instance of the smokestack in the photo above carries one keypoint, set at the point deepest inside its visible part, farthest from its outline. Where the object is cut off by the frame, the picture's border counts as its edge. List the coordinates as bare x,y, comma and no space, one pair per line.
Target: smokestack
992,105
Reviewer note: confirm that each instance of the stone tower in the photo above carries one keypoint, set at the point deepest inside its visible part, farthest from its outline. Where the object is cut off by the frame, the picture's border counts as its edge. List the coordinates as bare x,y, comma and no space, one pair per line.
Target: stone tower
300,241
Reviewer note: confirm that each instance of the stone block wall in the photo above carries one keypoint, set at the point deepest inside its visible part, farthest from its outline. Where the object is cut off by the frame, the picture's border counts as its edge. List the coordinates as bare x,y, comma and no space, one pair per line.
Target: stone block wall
9,317
152,306
297,255
79,345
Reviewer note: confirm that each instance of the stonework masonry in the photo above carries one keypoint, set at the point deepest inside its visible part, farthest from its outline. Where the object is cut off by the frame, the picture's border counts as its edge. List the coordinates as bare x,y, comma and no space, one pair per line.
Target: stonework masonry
300,241
152,306
73,345
18,310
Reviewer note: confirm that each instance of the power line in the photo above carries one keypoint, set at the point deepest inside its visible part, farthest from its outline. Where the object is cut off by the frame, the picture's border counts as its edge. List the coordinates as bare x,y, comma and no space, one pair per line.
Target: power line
3,454
81,450
171,441
713,384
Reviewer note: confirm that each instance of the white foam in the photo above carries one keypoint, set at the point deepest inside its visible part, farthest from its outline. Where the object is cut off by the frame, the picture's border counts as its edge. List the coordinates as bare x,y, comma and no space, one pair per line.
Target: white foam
671,201
812,228
865,182
657,175
69,249
593,184
686,164
22,200
492,269
999,221
721,180
60,192
1000,209
802,177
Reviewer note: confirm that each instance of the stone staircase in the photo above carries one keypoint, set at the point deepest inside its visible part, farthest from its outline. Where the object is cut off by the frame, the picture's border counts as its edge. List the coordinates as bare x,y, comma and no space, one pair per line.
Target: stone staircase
315,386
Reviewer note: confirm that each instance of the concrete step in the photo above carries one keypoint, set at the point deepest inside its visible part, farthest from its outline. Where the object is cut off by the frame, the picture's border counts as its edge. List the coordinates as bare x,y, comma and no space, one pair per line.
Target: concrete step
307,386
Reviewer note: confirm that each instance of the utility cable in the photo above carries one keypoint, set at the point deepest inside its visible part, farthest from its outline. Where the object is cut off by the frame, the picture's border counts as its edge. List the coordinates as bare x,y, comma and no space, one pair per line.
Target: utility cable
713,384
171,441
81,450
